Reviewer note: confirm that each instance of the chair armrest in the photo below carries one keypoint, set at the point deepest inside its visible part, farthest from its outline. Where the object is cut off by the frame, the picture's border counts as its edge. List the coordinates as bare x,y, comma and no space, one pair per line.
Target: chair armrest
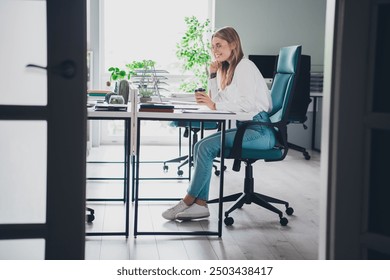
280,128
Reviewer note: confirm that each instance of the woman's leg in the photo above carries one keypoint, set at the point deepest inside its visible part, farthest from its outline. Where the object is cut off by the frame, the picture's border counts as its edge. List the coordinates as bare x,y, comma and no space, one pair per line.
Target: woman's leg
204,153
209,148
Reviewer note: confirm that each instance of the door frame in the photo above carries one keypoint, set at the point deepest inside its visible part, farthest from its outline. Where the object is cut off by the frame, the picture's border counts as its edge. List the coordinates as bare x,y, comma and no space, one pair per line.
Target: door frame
348,122
66,116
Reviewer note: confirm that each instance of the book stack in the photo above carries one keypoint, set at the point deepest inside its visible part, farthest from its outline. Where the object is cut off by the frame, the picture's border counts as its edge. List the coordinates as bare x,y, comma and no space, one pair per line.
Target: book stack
156,108
96,94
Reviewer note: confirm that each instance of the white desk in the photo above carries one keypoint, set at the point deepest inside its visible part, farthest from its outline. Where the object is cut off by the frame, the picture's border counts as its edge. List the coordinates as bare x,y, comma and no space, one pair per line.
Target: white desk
132,149
179,115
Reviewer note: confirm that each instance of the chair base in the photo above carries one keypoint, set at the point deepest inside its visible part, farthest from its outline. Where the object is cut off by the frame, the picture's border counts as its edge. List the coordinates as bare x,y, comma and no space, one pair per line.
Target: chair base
249,196
299,149
90,216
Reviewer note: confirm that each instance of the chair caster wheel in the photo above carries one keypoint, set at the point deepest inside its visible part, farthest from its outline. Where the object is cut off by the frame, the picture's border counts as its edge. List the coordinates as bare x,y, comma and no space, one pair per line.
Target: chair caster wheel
289,211
283,221
165,168
217,172
90,218
224,168
306,155
180,172
228,221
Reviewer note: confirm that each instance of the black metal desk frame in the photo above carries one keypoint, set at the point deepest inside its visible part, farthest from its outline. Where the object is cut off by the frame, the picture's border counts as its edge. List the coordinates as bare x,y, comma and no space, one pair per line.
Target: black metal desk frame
136,163
315,96
126,176
159,178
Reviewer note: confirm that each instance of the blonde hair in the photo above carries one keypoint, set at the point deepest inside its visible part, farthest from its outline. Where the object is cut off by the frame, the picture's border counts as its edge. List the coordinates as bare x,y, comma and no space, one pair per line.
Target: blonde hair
230,35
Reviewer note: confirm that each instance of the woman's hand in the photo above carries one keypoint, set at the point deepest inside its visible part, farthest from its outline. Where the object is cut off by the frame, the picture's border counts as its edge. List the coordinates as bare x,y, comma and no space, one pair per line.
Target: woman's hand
204,99
214,66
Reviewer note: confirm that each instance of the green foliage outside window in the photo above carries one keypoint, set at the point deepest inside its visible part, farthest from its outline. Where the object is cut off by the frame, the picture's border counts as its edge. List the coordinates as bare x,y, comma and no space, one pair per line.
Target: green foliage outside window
194,50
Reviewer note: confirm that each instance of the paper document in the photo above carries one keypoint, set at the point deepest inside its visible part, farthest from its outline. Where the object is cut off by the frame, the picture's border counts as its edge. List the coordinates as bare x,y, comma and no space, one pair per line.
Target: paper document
182,95
200,111
183,102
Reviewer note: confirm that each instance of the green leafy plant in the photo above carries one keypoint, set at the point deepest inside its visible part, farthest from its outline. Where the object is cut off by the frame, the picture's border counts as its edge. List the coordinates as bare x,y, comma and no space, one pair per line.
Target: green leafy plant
116,74
194,50
136,65
144,91
145,68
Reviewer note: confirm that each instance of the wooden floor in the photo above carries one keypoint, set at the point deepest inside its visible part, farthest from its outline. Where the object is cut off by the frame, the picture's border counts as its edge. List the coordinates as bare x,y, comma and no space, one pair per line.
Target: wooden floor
255,234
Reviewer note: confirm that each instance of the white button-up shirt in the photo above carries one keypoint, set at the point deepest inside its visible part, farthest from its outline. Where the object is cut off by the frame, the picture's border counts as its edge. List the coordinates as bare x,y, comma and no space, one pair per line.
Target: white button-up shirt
248,91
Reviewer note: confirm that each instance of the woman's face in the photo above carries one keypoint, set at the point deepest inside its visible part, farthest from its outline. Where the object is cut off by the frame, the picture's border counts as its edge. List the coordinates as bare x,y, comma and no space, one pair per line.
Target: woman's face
221,49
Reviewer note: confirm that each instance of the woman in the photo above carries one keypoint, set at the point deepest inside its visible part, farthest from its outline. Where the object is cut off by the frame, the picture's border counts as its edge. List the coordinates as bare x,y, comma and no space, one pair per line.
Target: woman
235,85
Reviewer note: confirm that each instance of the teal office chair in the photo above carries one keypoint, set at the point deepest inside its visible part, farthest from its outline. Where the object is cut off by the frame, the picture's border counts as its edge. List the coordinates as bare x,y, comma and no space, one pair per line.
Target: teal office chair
195,128
281,93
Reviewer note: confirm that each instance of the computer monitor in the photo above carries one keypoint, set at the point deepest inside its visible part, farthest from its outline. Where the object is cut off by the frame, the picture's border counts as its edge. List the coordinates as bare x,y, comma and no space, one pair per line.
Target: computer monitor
266,65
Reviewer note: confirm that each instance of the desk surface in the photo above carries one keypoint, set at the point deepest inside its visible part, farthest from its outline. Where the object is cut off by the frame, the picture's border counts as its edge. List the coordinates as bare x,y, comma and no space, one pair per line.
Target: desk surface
177,114
108,114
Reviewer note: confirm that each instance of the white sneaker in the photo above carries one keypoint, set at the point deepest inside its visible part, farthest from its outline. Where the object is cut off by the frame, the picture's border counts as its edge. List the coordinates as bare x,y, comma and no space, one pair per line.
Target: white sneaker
170,214
195,211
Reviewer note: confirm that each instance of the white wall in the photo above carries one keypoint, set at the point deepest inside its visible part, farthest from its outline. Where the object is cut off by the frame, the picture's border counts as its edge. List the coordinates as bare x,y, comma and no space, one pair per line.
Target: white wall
266,25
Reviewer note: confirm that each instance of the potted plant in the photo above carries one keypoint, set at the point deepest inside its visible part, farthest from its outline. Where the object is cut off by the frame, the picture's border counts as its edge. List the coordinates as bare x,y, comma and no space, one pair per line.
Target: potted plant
140,66
194,50
121,86
145,94
143,71
116,74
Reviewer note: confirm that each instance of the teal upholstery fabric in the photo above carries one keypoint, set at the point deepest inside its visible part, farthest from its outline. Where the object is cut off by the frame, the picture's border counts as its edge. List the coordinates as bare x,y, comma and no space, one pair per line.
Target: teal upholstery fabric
196,124
288,59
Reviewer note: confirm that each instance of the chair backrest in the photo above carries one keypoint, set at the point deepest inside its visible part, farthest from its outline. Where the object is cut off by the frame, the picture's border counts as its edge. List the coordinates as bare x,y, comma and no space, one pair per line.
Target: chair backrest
301,99
284,82
267,64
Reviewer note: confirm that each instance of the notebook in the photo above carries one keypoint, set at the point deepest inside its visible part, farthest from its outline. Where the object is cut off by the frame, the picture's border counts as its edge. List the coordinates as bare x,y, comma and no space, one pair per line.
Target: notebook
147,107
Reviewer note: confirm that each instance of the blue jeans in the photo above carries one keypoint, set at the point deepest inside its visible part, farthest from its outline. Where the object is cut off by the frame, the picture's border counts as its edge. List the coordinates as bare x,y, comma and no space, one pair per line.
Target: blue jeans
259,137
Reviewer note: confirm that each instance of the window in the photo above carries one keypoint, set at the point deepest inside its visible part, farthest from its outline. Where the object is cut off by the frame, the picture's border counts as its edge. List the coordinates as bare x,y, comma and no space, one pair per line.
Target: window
137,30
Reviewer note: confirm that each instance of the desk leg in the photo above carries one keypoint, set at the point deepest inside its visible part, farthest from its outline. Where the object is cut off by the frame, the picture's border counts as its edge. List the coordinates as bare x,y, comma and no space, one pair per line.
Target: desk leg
313,133
221,178
136,179
132,178
126,161
190,150
127,172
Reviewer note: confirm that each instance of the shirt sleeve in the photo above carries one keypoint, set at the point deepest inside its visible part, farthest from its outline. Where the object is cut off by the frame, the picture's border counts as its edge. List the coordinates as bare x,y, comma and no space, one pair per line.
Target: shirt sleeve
213,87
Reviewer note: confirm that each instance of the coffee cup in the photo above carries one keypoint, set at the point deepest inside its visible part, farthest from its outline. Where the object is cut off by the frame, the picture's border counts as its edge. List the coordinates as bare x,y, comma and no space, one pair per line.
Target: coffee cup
198,93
